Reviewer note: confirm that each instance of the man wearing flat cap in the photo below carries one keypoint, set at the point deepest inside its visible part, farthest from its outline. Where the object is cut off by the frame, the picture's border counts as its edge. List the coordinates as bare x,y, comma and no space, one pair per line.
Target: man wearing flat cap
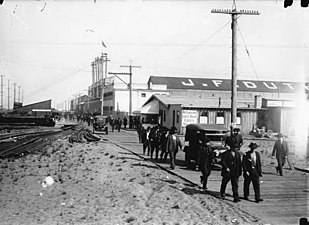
252,169
235,141
281,149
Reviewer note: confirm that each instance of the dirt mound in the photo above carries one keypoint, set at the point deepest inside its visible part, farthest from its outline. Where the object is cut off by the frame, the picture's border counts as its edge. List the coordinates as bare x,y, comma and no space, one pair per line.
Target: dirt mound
99,183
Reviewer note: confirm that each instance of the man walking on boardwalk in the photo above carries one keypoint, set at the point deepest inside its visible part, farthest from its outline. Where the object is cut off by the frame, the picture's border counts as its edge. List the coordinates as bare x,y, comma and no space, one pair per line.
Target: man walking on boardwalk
205,161
172,145
281,149
252,169
235,141
231,171
146,140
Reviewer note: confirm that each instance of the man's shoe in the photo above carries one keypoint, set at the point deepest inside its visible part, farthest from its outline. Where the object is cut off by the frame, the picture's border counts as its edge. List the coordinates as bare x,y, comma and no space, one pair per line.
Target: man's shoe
204,186
246,198
258,200
236,200
222,196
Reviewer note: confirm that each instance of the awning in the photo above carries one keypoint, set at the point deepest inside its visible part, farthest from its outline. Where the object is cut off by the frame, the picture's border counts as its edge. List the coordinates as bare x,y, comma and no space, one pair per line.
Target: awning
151,108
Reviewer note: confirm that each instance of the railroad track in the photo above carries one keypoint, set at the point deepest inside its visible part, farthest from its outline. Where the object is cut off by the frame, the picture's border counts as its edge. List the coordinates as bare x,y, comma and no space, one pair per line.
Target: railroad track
27,142
16,144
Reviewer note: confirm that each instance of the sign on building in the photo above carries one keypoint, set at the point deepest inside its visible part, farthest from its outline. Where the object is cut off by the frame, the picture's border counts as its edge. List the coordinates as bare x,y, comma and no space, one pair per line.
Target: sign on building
188,117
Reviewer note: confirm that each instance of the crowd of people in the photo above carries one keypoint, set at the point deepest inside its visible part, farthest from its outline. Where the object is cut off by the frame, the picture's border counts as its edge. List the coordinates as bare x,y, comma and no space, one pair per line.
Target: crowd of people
234,164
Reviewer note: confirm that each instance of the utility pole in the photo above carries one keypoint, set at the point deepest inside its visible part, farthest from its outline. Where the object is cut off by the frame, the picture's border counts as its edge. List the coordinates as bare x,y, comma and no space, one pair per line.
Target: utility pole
14,92
130,89
8,94
234,12
1,107
19,94
88,99
22,96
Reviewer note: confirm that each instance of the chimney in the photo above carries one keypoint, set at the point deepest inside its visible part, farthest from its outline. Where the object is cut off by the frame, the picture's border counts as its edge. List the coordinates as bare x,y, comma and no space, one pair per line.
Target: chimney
257,101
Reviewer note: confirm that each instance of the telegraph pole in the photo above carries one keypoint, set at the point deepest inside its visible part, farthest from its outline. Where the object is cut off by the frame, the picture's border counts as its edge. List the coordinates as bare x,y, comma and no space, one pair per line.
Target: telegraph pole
235,14
19,94
14,92
130,89
1,107
8,94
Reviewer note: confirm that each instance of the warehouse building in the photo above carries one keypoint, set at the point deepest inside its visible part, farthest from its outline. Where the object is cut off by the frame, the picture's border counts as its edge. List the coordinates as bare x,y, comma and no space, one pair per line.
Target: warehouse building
262,104
212,96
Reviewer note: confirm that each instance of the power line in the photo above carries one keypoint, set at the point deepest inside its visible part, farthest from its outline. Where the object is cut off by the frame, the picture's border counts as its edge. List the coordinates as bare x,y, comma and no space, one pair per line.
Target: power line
201,43
204,41
58,81
234,14
247,51
130,88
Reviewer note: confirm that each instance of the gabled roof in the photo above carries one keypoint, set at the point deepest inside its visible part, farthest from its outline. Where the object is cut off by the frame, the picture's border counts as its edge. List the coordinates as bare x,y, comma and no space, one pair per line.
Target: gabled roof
194,102
225,84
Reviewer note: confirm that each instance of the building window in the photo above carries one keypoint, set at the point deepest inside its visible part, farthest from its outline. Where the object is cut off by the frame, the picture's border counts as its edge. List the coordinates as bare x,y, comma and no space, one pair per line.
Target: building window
238,118
220,118
177,117
143,95
164,115
204,117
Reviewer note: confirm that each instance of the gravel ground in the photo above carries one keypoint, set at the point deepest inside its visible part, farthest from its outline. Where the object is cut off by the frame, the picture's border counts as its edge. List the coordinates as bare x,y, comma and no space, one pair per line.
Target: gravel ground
99,183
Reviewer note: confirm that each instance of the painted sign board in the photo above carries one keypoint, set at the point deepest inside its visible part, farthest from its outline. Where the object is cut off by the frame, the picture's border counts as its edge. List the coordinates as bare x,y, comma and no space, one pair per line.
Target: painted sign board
225,84
189,116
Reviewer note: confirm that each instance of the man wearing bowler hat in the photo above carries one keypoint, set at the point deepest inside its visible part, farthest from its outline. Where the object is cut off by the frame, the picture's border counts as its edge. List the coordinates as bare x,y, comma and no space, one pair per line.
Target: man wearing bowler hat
173,144
281,149
252,169
231,171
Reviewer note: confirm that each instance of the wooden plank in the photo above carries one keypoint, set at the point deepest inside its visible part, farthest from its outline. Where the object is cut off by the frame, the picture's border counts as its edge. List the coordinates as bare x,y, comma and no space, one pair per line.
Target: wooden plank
285,198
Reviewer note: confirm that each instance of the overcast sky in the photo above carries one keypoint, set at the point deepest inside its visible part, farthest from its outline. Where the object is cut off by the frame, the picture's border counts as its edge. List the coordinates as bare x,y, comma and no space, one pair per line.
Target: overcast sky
47,47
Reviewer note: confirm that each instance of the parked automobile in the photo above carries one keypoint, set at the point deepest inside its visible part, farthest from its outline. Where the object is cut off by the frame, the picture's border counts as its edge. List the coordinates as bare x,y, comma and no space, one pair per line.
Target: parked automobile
100,123
215,133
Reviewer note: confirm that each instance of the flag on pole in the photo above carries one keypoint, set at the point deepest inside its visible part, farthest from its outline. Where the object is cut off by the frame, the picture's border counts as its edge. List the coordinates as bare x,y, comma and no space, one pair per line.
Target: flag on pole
103,45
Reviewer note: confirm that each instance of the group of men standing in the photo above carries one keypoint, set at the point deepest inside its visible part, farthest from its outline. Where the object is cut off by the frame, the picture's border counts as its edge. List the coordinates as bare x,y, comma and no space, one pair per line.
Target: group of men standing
155,140
233,165
117,123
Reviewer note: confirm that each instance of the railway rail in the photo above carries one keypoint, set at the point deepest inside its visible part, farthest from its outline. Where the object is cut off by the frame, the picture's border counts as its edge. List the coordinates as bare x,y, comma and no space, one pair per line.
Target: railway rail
28,141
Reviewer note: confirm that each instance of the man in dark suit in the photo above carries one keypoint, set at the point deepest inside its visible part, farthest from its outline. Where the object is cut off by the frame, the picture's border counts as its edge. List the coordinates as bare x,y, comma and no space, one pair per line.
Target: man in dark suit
281,149
252,169
235,140
146,140
205,161
173,144
231,170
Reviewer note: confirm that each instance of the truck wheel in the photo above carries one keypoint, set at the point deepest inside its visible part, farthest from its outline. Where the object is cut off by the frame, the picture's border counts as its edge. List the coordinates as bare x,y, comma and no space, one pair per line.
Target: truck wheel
188,161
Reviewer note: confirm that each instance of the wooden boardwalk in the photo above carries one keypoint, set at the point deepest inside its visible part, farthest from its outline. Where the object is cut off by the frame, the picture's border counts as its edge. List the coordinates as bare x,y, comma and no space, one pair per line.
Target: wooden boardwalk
285,197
